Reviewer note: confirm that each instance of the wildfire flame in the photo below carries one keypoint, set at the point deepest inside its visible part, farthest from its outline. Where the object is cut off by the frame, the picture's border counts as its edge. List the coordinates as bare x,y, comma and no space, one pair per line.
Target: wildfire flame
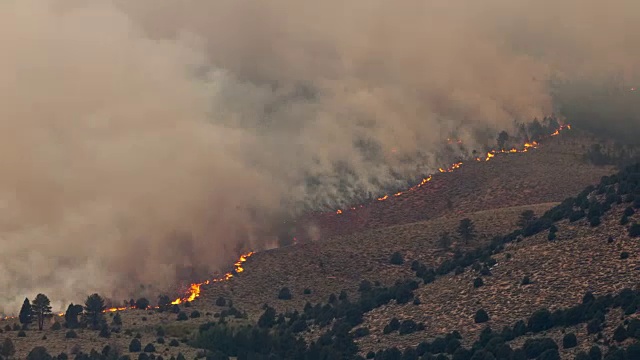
490,155
194,289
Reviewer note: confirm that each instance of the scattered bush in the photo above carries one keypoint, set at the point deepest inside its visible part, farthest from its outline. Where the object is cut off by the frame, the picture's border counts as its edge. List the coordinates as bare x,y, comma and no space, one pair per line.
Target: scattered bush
174,343
182,316
135,345
634,230
396,259
624,255
149,348
525,281
195,314
408,327
393,325
284,294
21,333
142,304
307,291
569,341
620,334
481,316
221,301
477,282
361,332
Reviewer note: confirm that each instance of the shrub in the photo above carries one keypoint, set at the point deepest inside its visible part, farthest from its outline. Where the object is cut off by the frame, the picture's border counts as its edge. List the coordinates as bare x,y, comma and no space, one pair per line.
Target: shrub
142,304
56,326
481,316
624,220
569,341
221,301
595,221
117,319
149,348
540,320
634,230
552,236
595,353
396,259
361,332
624,255
182,316
284,294
526,281
307,291
21,333
620,334
408,327
160,331
38,353
71,334
393,325
195,314
477,282
135,345
104,332
629,211
594,326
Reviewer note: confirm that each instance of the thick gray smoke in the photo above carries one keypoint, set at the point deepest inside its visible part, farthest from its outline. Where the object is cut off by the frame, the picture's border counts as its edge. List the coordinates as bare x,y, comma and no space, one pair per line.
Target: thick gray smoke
140,137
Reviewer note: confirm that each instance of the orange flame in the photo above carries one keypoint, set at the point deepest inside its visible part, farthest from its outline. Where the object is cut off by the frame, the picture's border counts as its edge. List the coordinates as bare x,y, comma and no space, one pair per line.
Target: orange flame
194,289
490,155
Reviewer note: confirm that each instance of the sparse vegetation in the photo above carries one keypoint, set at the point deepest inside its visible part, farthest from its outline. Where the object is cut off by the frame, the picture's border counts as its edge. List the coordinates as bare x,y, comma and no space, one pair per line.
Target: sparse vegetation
396,259
284,294
466,230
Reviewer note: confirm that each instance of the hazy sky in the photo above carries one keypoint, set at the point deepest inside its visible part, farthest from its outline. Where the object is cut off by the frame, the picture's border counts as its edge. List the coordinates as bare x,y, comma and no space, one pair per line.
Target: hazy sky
125,125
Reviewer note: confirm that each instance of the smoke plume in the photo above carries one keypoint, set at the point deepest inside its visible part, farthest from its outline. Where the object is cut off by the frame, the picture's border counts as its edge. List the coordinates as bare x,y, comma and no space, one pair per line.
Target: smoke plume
139,138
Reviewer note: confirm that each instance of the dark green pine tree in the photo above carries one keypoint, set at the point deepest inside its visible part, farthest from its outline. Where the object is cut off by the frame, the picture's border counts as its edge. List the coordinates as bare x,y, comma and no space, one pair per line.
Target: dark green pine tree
26,313
41,308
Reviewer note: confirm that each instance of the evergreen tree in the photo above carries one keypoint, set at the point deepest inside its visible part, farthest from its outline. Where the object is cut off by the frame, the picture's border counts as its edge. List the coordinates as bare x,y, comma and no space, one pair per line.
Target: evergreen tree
71,315
164,302
466,229
142,304
26,313
41,308
93,308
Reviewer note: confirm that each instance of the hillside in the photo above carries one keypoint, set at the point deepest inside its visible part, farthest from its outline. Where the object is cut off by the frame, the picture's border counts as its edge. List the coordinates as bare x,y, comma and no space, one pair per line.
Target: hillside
343,291
542,175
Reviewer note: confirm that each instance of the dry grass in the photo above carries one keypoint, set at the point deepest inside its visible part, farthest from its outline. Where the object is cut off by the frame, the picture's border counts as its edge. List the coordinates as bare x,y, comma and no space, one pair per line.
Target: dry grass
342,262
580,260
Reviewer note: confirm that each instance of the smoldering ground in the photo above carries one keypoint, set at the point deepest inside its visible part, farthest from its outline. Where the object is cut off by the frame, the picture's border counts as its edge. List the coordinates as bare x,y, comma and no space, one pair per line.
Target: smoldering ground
141,137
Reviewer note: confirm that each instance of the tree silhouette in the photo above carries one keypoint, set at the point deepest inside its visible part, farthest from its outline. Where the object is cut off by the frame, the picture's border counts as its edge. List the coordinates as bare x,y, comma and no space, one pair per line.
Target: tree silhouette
503,137
71,315
142,304
41,308
93,308
466,229
26,313
163,303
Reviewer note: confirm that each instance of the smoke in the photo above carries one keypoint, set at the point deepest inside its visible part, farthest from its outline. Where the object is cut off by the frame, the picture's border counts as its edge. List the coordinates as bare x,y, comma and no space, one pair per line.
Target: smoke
139,138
